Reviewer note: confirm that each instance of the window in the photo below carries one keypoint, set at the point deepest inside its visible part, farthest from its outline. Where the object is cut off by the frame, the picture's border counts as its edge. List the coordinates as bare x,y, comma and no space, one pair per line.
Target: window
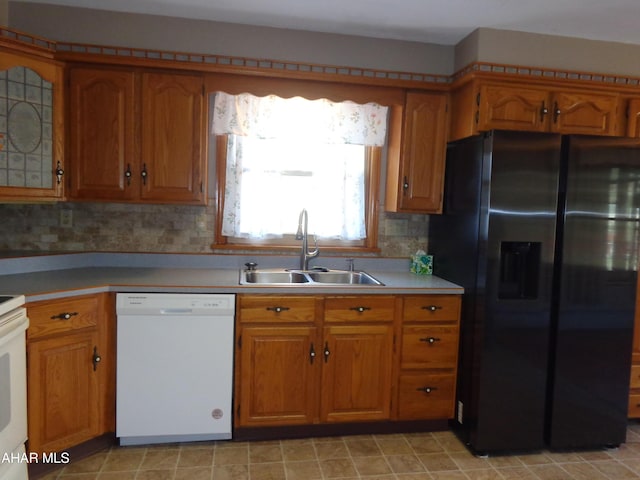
283,155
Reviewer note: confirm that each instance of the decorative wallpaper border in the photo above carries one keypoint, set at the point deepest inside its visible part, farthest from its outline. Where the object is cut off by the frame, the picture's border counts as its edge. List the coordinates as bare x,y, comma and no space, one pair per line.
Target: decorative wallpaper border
265,65
252,63
27,39
546,74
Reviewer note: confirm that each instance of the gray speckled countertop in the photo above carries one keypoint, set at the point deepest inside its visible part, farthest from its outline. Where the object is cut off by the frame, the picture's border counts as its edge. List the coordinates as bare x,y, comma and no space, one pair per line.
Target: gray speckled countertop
91,273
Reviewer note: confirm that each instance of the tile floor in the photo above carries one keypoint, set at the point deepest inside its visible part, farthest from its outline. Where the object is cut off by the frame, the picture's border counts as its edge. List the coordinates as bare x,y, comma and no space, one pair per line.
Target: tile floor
428,456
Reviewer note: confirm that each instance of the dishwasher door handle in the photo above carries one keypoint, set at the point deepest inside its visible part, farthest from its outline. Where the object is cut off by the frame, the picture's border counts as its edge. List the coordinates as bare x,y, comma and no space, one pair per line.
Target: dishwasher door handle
176,311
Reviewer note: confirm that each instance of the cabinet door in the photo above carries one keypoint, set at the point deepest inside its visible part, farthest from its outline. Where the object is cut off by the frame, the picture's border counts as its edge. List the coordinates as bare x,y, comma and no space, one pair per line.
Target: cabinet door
420,172
633,118
102,133
356,373
512,108
278,376
31,128
584,113
173,128
63,402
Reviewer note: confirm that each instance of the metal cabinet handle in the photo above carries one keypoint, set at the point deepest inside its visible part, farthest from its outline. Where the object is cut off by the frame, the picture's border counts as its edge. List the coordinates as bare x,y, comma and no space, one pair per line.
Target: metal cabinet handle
432,308
326,352
426,389
96,358
127,174
144,174
277,309
430,340
543,111
64,316
312,354
556,112
59,173
405,184
360,309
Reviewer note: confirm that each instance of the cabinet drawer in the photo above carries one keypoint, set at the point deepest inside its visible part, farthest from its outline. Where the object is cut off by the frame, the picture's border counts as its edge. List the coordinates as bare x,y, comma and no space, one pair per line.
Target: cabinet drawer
272,308
635,377
58,316
634,406
423,396
428,308
429,346
367,308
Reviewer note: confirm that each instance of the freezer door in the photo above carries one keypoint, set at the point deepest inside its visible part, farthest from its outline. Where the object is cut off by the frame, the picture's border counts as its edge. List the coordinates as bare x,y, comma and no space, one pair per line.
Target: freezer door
513,310
597,293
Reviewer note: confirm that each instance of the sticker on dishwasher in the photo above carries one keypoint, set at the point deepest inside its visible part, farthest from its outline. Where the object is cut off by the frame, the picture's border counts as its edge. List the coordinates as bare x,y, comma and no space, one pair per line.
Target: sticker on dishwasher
217,413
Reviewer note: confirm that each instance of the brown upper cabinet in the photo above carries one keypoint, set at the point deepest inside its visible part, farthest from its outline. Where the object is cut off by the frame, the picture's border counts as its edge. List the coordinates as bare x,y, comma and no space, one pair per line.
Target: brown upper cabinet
482,106
32,133
137,136
102,126
415,164
633,118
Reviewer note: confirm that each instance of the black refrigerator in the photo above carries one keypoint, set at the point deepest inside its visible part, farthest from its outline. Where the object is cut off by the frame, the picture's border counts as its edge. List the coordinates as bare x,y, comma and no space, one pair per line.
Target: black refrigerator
542,232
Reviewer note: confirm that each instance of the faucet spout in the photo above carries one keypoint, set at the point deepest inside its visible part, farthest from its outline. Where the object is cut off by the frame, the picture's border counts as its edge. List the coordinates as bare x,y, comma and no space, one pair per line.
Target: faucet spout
302,234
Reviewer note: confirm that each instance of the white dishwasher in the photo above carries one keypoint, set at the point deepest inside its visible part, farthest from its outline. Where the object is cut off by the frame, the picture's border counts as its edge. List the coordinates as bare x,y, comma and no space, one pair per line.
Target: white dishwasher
174,367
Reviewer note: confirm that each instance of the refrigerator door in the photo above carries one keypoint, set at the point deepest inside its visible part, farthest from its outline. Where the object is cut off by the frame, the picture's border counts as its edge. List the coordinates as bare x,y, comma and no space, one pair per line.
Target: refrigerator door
497,240
513,310
454,239
599,258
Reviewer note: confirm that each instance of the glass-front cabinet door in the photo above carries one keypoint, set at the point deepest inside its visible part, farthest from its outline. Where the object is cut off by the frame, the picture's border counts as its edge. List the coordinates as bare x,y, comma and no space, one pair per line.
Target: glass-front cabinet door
31,136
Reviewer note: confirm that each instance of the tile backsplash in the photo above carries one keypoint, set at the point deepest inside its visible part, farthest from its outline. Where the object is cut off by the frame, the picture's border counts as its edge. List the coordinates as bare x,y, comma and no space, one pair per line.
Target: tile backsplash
122,227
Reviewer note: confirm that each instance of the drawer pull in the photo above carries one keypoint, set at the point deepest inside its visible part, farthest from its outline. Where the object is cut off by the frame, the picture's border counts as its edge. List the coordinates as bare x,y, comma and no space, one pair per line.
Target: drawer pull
277,309
430,340
64,315
360,309
426,389
432,308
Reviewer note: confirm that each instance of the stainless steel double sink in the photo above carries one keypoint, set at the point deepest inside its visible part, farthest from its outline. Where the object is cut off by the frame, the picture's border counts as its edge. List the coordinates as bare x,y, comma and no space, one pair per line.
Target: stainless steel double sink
324,277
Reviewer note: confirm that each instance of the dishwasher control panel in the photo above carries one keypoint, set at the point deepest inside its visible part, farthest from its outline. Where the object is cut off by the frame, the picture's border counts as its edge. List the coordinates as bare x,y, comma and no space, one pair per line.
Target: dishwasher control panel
175,304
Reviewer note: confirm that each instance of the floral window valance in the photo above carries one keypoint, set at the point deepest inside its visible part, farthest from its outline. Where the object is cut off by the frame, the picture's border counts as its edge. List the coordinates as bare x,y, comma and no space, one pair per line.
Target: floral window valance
318,120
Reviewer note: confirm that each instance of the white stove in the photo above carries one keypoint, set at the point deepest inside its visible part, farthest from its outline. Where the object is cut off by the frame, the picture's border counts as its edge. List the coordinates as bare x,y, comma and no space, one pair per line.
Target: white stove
13,388
10,302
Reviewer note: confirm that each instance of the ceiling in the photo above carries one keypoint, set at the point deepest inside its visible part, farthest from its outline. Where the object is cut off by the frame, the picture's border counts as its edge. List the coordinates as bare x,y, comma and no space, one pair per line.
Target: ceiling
433,21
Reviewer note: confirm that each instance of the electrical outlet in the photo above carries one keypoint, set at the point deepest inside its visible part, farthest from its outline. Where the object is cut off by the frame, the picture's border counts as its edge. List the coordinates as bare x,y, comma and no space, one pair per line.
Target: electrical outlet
66,218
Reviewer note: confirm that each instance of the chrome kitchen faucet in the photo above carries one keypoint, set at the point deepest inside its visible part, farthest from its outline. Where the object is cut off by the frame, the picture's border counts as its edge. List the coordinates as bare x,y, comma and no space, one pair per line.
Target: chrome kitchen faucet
302,234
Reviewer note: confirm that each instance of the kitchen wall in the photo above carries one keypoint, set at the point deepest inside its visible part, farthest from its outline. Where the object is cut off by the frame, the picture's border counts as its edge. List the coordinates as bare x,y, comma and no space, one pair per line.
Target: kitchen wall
81,25
119,227
72,24
161,228
4,12
550,51
154,228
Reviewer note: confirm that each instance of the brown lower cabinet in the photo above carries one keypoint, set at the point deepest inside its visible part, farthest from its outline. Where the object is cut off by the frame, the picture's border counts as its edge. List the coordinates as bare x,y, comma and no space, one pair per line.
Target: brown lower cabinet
303,360
70,371
300,360
278,378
